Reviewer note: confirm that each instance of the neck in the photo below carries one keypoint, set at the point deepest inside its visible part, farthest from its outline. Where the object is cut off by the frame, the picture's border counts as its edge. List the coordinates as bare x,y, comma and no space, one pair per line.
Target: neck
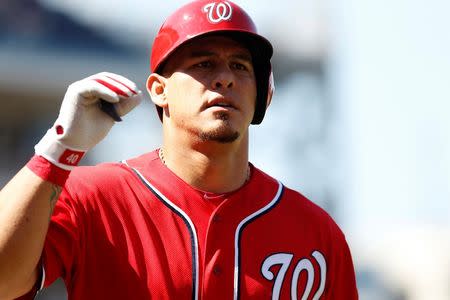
208,166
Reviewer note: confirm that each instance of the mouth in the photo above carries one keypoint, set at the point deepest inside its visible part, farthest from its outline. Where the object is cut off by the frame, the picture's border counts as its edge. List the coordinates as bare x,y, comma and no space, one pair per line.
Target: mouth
221,103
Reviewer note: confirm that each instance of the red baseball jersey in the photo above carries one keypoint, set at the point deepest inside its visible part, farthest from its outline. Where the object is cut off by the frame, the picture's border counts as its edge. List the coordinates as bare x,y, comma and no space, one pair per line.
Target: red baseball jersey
134,230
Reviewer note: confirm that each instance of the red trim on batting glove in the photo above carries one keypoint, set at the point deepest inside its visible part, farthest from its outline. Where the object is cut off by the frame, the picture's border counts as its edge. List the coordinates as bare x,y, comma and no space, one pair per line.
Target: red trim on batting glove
112,87
130,89
48,171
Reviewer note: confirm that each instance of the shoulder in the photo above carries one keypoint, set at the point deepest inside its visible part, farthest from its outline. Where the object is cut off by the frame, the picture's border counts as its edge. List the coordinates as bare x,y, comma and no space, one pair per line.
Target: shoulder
100,175
308,210
289,198
296,208
103,178
296,199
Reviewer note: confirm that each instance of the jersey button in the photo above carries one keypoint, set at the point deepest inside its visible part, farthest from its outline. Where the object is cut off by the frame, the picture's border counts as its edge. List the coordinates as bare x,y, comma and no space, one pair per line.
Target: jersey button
217,270
216,218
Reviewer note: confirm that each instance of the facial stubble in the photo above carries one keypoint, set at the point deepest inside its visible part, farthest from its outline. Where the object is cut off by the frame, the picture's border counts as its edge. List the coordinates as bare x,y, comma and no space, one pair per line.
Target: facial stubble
223,134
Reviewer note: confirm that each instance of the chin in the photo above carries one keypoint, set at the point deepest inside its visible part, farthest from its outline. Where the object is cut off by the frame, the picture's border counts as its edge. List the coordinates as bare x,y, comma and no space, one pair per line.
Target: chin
223,133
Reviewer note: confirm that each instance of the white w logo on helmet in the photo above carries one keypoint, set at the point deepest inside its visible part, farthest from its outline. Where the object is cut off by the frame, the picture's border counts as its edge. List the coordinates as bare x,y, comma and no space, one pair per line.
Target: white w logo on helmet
218,12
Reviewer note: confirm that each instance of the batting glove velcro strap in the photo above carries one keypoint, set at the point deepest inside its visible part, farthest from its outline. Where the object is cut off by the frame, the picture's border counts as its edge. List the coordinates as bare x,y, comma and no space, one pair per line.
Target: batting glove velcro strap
81,123
56,152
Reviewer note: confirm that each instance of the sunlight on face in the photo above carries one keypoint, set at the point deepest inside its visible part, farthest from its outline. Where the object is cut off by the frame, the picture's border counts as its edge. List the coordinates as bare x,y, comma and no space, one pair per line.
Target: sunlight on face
211,89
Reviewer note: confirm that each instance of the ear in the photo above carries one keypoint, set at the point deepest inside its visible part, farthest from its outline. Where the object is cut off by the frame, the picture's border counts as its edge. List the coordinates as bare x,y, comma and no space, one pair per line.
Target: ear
156,87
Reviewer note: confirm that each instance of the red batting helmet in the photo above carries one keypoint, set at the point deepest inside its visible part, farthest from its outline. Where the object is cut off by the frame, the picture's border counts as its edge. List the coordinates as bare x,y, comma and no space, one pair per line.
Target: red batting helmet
203,17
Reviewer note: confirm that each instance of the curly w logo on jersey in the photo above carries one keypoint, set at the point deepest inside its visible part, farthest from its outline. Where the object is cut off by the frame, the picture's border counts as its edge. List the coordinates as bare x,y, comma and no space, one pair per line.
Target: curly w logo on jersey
298,286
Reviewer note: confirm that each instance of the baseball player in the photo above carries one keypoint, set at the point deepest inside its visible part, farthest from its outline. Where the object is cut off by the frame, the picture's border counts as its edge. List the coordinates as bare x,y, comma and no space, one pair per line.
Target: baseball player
190,220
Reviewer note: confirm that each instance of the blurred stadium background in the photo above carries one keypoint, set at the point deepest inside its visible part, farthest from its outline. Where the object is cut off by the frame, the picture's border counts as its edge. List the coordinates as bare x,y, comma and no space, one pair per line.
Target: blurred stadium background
360,120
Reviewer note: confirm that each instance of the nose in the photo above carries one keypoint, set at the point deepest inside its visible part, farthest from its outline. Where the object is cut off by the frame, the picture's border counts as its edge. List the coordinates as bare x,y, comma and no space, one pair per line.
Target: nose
224,78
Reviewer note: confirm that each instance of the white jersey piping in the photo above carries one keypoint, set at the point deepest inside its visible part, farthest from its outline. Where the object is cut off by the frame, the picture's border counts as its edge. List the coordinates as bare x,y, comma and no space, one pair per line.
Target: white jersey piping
238,234
188,220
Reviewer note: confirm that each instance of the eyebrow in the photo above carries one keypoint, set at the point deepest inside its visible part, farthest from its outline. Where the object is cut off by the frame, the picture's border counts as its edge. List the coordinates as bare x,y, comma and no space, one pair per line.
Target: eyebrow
205,53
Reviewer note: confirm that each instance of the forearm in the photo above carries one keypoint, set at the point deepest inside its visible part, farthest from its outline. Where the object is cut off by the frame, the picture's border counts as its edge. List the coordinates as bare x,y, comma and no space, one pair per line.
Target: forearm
27,201
26,205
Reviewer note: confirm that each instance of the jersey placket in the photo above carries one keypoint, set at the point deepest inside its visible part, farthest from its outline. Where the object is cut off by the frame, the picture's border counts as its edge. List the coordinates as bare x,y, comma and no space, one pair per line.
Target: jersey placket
222,267
218,258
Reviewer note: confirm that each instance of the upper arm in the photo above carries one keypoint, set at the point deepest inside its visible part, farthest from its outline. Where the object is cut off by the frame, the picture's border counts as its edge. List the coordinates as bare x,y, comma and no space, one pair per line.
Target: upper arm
342,272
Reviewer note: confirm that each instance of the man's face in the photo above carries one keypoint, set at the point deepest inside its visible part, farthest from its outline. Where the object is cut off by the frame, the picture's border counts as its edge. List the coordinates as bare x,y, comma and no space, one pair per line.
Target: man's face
211,89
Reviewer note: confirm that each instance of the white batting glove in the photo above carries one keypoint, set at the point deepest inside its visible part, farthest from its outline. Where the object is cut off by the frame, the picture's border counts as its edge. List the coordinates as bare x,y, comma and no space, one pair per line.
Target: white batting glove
81,123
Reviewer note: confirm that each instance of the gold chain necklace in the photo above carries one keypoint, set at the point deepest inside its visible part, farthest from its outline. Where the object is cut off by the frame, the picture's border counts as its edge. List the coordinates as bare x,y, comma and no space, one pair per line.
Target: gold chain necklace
161,156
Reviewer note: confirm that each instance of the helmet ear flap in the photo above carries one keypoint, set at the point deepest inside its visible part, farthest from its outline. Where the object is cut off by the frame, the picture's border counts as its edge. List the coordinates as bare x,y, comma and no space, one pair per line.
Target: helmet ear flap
265,88
159,110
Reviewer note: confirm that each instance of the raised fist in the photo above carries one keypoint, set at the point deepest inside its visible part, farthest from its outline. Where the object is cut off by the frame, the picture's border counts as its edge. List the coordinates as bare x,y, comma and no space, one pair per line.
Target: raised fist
86,116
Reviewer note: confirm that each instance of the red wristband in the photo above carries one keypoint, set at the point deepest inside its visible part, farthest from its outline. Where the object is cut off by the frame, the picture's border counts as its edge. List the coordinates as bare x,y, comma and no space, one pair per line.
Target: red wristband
48,171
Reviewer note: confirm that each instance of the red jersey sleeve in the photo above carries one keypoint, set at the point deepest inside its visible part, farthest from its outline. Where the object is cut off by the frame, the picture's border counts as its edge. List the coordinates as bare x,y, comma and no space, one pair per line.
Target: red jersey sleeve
342,273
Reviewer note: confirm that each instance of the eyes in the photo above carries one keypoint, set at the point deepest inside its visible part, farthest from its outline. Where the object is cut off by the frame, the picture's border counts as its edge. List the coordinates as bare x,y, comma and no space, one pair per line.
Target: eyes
203,65
234,65
239,66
